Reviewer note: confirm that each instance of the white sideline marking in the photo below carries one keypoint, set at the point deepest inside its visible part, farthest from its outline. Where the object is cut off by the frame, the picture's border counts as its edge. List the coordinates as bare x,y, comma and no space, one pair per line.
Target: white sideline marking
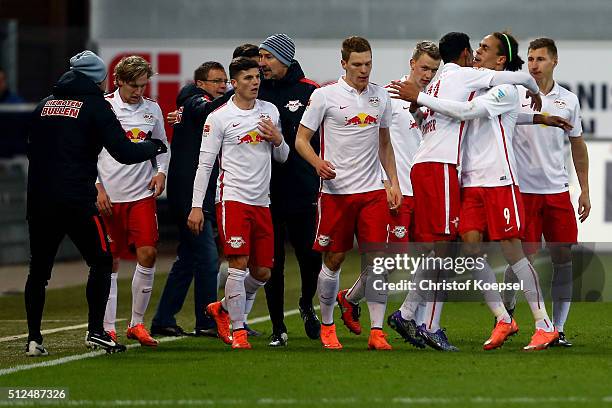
49,331
44,320
318,401
76,357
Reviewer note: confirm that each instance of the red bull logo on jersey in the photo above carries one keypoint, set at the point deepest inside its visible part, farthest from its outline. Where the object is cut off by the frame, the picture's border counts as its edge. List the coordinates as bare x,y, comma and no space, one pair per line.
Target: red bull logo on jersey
135,135
361,120
252,137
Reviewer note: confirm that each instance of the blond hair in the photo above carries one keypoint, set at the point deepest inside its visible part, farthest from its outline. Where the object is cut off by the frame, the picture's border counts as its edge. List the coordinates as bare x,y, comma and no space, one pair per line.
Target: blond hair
130,68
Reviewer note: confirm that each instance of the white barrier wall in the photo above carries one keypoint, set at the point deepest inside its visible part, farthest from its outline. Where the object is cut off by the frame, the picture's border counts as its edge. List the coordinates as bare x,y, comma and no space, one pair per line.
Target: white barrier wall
598,227
583,67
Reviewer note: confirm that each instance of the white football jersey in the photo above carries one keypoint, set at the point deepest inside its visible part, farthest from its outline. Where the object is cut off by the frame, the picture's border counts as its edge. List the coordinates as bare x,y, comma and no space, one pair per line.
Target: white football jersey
442,134
406,137
350,123
487,154
129,182
245,157
540,152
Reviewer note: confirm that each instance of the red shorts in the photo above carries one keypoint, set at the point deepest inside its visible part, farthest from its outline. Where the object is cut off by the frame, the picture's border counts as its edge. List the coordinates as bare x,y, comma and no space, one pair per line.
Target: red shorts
342,216
401,223
246,229
132,225
497,212
551,215
436,201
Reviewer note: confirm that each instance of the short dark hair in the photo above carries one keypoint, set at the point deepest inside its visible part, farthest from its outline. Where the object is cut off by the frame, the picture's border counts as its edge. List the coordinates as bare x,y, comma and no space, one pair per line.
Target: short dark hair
201,73
544,42
509,48
451,46
354,44
241,64
246,50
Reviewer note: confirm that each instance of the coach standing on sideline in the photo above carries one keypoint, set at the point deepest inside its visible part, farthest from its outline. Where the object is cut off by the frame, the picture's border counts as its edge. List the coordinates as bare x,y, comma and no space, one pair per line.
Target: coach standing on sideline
294,186
67,132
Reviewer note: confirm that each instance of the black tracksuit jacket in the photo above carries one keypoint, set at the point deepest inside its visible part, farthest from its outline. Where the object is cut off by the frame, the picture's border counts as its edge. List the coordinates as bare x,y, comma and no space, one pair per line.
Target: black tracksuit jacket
66,133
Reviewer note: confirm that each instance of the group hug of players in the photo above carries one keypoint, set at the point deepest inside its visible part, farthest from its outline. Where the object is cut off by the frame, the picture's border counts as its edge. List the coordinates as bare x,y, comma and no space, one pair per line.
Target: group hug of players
478,154
464,157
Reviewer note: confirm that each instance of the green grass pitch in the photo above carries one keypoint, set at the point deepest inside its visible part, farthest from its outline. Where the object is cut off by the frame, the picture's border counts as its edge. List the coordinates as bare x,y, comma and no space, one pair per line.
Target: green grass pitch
206,372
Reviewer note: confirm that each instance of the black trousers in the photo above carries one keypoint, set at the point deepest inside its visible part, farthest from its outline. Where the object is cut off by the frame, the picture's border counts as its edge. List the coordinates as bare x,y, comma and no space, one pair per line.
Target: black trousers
47,230
300,228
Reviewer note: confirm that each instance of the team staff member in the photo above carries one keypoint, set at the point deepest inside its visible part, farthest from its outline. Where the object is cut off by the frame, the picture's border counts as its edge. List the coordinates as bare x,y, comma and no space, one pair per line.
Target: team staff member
68,130
294,186
197,257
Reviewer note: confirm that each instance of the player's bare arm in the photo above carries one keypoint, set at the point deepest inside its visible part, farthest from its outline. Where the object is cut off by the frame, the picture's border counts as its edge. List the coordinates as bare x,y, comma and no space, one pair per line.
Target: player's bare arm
324,169
157,184
580,156
387,159
406,91
554,121
172,117
270,132
536,100
103,201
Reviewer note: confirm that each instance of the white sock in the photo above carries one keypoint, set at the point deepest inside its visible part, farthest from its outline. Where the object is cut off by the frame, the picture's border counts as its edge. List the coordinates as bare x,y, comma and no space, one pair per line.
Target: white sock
562,286
492,297
357,291
419,314
413,297
142,286
509,296
433,308
526,274
251,285
235,296
222,275
376,298
110,316
327,285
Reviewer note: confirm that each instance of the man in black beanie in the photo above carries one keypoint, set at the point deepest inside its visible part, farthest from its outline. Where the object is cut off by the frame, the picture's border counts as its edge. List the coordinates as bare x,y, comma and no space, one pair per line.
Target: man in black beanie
294,186
67,132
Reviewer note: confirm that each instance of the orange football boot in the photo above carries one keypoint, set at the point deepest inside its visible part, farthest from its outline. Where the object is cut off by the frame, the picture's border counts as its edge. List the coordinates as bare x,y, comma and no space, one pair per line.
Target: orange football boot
500,334
350,312
378,340
541,340
140,333
221,317
240,340
329,338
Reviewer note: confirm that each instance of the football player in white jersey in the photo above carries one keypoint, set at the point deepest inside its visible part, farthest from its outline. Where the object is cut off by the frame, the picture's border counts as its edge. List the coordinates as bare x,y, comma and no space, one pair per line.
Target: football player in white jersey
245,133
127,193
406,137
490,200
355,116
435,179
544,182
